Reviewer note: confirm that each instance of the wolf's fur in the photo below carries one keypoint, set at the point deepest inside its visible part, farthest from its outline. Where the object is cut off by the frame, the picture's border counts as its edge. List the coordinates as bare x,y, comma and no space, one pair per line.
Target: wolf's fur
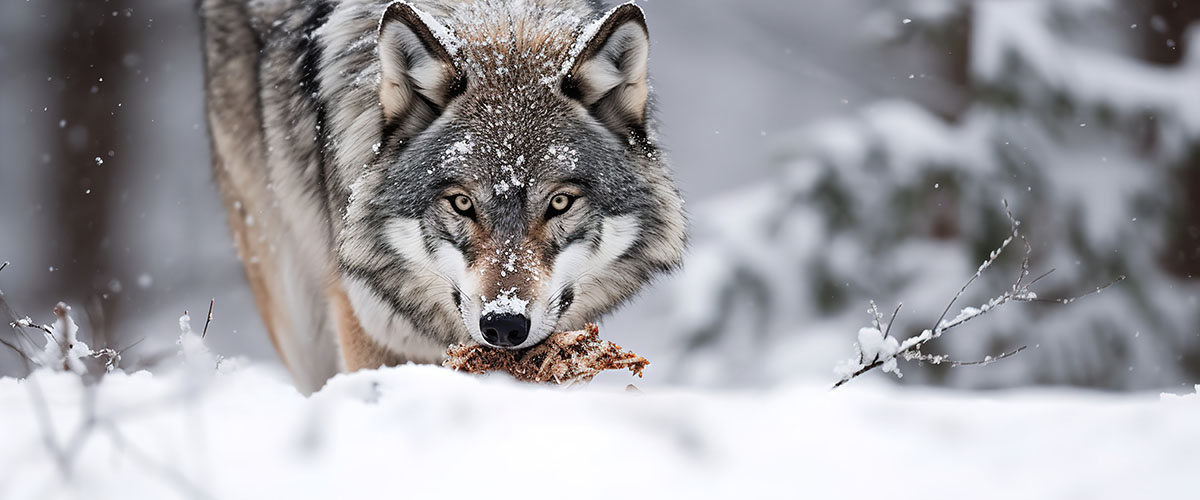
341,128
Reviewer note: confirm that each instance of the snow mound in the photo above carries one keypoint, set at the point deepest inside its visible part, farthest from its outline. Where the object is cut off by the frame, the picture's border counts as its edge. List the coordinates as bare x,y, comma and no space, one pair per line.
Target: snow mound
427,432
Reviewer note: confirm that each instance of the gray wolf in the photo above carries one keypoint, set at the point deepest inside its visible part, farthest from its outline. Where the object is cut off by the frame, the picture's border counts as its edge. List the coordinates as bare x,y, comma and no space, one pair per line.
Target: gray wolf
401,176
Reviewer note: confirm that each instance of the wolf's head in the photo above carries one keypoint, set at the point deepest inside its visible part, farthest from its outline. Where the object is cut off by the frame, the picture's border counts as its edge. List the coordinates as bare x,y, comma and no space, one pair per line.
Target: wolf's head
517,189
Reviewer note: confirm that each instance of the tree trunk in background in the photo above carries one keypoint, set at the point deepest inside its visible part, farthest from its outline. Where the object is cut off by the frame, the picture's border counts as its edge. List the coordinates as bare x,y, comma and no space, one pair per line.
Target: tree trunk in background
84,150
955,41
1162,42
1164,22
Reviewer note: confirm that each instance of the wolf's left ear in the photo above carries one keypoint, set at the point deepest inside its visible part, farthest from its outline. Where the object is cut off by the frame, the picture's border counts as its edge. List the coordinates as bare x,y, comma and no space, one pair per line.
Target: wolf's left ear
609,74
418,75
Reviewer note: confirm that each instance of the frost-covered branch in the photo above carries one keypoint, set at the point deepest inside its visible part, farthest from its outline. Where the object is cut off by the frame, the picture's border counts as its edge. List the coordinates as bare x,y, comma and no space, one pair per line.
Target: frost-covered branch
63,351
877,349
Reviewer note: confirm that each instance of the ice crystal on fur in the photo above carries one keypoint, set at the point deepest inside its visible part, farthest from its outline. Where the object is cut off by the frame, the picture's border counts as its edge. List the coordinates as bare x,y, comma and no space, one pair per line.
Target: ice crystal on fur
506,303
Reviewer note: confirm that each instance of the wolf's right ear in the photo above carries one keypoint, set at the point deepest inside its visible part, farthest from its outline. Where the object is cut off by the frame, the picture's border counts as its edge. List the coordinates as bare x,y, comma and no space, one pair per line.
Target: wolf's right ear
418,75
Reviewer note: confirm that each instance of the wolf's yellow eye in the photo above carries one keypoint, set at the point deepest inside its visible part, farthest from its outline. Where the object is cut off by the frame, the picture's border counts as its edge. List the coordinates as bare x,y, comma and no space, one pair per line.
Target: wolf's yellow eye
463,205
559,204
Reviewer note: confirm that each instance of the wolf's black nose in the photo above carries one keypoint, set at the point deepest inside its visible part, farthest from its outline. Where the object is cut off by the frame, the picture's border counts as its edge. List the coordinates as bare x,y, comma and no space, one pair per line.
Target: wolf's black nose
504,330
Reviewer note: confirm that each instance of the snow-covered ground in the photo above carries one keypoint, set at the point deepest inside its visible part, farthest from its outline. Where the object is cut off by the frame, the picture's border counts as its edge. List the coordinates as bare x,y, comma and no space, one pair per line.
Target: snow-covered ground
861,106
427,432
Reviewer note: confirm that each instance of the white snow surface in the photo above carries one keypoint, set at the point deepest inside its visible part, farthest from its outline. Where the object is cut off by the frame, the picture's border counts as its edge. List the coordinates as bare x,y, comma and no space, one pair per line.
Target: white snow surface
425,432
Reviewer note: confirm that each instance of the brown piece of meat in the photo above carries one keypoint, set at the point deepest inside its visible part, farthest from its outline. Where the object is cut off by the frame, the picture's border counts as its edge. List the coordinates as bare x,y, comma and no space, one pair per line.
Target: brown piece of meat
564,358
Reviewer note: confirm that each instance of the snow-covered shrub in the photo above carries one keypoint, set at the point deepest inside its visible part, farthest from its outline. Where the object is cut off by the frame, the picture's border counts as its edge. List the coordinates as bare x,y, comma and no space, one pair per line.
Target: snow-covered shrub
898,204
434,433
62,349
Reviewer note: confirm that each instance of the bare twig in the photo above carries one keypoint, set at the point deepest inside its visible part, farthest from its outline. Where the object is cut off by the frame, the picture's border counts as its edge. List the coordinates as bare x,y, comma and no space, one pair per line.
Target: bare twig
131,346
1069,300
16,349
209,320
1043,275
4,265
893,320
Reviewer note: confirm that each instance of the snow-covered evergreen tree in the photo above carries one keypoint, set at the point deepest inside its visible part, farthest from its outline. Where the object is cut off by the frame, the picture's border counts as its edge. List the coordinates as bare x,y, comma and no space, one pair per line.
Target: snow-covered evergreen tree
1063,118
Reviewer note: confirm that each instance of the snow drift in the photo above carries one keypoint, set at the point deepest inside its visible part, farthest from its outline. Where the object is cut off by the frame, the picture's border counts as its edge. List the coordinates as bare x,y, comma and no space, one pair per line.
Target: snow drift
423,432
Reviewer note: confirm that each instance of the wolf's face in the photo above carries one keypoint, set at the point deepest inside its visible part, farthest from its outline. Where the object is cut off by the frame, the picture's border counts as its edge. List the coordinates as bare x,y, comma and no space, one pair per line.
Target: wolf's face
511,199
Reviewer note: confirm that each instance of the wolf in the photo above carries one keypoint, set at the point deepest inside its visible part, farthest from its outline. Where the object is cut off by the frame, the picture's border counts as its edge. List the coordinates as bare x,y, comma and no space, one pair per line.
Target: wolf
401,176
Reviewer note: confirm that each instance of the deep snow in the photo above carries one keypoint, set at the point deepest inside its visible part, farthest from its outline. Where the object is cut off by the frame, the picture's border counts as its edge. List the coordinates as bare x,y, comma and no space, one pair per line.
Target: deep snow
424,432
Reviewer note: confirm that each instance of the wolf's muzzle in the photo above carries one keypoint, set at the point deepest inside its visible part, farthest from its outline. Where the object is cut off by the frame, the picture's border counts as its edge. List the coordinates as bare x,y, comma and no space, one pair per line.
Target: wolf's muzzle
504,330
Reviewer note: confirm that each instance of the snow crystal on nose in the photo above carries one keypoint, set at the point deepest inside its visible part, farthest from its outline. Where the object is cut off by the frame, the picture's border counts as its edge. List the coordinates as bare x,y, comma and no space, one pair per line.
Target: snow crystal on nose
506,303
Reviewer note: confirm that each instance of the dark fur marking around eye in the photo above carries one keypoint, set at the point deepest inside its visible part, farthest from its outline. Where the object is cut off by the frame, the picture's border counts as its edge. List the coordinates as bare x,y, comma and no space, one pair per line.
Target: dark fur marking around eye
571,89
566,299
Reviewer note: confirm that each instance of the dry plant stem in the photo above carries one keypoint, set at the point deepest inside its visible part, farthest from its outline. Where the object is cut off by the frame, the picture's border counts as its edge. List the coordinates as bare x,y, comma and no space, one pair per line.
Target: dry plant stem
910,349
15,349
209,320
892,321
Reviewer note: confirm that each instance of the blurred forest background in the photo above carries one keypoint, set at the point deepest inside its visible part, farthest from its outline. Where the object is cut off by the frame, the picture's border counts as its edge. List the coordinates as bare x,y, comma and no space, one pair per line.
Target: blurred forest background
830,152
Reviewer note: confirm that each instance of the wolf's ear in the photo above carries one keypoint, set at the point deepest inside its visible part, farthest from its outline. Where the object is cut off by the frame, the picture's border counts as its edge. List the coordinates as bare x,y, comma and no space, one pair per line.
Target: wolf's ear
418,75
609,74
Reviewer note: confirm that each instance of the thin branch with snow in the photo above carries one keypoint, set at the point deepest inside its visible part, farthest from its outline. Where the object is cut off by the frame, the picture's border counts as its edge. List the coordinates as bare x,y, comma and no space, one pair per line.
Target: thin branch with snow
876,349
62,349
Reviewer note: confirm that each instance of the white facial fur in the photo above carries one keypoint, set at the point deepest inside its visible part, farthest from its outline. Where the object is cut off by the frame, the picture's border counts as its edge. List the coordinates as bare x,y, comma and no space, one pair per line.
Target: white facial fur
391,330
579,263
445,265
